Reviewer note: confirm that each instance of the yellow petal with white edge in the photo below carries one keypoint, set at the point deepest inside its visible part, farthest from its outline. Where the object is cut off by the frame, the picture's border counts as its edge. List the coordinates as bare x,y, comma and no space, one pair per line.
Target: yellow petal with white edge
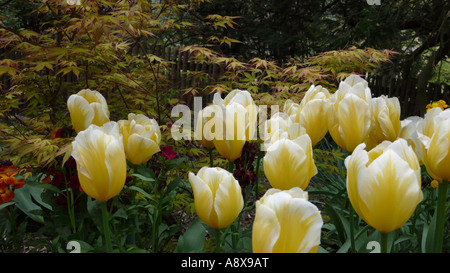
203,198
356,164
299,220
284,165
354,121
314,118
116,166
437,160
265,230
288,164
81,113
228,201
140,149
406,152
101,114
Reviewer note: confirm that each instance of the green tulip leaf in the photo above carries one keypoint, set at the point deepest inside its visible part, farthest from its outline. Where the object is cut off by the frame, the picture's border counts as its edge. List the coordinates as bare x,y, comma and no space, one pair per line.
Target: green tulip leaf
193,239
28,198
2,206
428,235
341,224
144,178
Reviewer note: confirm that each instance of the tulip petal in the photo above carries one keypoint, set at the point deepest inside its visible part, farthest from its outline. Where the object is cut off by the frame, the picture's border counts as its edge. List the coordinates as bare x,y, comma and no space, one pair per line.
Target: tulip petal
287,164
266,229
354,109
289,222
356,164
437,159
313,117
89,152
81,113
101,114
140,149
228,201
203,198
115,162
300,223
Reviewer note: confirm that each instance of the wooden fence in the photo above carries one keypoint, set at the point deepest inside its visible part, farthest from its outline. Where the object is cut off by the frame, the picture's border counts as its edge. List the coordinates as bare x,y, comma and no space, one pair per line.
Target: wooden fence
183,68
406,91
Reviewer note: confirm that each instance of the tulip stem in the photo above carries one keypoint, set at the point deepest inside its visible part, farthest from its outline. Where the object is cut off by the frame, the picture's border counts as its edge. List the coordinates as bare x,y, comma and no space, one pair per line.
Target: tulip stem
258,161
211,161
440,212
231,166
384,242
218,240
235,231
70,206
106,229
352,230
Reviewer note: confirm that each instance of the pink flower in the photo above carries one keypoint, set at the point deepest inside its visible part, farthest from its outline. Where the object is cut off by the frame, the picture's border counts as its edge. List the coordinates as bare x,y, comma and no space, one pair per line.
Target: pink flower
169,153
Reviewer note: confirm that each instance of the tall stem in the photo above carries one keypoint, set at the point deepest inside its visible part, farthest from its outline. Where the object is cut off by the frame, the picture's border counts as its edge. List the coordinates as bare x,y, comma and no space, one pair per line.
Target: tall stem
235,227
352,230
218,240
106,229
156,217
258,161
70,206
231,166
441,211
384,242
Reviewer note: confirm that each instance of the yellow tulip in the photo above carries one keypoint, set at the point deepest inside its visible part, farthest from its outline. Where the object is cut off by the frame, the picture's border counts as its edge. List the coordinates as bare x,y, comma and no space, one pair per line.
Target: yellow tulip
312,113
278,123
217,196
87,107
350,115
289,163
245,99
286,222
141,137
384,184
385,121
101,161
436,144
229,130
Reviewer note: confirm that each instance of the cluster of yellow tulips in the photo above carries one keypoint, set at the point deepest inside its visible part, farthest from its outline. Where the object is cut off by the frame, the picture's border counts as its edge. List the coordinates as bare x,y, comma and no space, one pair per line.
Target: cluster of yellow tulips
285,221
383,168
102,147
